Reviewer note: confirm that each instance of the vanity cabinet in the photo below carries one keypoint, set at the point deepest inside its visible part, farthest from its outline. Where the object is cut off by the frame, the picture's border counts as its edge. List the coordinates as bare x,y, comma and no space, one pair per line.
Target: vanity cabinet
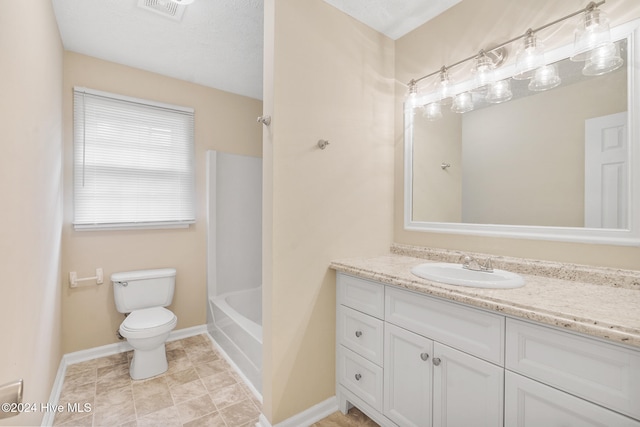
429,372
408,359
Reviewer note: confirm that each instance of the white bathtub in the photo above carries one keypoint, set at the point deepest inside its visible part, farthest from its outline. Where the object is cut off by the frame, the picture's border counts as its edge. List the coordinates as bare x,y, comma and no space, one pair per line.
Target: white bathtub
238,316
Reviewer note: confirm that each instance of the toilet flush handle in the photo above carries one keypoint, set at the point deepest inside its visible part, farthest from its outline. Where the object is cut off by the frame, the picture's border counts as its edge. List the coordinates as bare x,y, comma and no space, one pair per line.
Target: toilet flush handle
125,284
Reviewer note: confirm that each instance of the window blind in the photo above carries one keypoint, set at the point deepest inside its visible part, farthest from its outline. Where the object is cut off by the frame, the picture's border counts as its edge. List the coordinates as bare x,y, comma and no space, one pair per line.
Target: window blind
133,162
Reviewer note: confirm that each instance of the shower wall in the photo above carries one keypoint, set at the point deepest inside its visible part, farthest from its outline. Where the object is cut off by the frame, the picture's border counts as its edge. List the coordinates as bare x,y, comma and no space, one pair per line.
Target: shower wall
234,216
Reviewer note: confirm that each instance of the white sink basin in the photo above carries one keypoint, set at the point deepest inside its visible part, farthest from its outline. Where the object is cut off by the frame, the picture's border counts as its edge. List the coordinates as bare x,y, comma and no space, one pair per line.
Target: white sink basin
454,274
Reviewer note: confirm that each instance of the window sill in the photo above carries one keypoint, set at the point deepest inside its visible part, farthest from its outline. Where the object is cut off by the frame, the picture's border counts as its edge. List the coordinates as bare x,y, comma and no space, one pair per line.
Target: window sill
133,226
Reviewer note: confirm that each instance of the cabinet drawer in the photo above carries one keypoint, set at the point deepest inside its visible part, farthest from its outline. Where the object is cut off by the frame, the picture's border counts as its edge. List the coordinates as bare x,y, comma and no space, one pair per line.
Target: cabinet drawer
361,333
529,403
361,377
362,295
600,372
472,331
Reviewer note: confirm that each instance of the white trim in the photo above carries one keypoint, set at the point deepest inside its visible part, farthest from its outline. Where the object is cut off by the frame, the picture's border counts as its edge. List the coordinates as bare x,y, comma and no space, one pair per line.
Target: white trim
102,351
134,226
123,346
307,417
54,397
187,332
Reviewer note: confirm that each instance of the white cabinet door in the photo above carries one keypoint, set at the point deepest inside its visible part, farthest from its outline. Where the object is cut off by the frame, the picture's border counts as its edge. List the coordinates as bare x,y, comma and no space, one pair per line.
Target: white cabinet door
467,391
529,403
407,377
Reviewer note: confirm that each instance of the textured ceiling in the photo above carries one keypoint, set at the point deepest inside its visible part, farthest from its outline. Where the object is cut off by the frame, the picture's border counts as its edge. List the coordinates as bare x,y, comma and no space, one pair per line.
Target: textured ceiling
216,43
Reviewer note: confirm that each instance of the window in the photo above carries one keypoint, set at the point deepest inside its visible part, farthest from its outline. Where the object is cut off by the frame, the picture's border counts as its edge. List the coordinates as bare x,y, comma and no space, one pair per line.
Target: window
133,162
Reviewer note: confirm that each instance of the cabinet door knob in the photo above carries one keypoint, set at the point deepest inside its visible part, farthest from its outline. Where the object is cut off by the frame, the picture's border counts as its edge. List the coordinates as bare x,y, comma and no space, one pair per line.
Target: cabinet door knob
424,356
358,376
436,361
358,334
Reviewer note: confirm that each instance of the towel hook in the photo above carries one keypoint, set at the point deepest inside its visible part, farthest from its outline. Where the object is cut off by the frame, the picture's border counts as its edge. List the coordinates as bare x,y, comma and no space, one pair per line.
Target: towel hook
322,144
265,120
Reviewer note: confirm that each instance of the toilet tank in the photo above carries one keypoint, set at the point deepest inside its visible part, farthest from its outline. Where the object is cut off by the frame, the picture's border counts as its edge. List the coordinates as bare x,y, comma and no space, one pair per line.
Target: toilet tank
135,290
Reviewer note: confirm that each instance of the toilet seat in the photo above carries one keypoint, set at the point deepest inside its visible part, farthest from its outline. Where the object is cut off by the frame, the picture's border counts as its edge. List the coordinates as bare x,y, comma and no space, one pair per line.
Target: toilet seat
148,322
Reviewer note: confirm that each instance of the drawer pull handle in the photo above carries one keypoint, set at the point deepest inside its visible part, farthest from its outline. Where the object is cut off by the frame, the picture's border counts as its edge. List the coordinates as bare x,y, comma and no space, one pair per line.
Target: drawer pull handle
358,376
358,334
424,356
436,361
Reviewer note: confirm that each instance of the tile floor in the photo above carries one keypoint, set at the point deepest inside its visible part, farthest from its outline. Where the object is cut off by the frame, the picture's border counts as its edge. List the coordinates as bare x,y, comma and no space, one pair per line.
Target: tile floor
199,389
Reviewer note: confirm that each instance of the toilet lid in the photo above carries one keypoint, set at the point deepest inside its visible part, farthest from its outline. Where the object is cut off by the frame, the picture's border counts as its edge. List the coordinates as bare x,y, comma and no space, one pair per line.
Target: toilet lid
147,318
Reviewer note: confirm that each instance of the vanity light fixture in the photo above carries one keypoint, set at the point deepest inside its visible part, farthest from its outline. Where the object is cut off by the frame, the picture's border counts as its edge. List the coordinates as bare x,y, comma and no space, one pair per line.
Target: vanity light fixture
444,87
592,32
592,44
483,69
529,57
433,111
499,91
545,77
462,103
412,97
602,60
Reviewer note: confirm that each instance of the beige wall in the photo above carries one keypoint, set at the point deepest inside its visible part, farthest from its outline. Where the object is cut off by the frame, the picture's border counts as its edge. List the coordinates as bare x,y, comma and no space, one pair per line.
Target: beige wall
329,77
434,143
460,32
30,186
531,151
223,122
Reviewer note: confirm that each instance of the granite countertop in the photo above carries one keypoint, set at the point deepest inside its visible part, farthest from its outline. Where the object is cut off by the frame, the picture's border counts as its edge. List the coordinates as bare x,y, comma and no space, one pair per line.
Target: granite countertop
608,311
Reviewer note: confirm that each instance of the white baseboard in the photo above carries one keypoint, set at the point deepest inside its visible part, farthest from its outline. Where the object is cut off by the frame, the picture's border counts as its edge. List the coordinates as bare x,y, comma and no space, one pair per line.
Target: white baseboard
47,419
305,418
102,351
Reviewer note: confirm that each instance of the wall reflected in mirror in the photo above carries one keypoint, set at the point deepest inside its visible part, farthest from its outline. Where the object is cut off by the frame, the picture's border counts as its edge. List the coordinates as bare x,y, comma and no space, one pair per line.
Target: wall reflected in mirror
554,157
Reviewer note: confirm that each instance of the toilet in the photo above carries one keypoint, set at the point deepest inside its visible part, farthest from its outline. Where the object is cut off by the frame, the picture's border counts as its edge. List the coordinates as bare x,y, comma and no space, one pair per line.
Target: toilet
143,294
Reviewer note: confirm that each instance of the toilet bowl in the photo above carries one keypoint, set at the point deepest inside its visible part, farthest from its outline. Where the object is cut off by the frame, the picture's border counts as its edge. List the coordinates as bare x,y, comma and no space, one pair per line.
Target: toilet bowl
146,331
142,296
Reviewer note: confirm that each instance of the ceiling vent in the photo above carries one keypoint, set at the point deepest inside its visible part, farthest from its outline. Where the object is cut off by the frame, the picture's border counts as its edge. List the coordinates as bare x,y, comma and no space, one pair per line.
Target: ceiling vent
167,8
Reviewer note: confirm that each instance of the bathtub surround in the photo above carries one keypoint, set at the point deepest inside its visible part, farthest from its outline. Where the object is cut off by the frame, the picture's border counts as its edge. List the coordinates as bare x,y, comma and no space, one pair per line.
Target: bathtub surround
234,259
237,329
234,222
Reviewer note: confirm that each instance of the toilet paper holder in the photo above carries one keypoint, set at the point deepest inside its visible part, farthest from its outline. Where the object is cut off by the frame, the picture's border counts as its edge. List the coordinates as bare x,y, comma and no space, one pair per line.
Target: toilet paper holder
74,279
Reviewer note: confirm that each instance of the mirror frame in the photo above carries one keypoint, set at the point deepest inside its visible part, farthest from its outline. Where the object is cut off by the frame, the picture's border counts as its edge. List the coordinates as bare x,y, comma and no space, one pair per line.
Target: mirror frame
625,237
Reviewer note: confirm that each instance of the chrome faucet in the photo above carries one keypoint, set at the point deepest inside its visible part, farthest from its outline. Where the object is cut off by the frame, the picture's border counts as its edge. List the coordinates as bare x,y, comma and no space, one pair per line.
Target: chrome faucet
470,263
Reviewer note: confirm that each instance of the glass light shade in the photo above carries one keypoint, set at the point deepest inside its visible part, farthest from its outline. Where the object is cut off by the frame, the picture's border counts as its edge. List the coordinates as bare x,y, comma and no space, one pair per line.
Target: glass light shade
462,103
592,31
432,111
602,60
483,70
529,57
411,100
499,91
546,77
444,87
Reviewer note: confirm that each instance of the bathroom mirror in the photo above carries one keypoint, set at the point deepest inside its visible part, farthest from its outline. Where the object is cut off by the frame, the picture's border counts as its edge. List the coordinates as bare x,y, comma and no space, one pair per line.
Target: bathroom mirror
560,164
